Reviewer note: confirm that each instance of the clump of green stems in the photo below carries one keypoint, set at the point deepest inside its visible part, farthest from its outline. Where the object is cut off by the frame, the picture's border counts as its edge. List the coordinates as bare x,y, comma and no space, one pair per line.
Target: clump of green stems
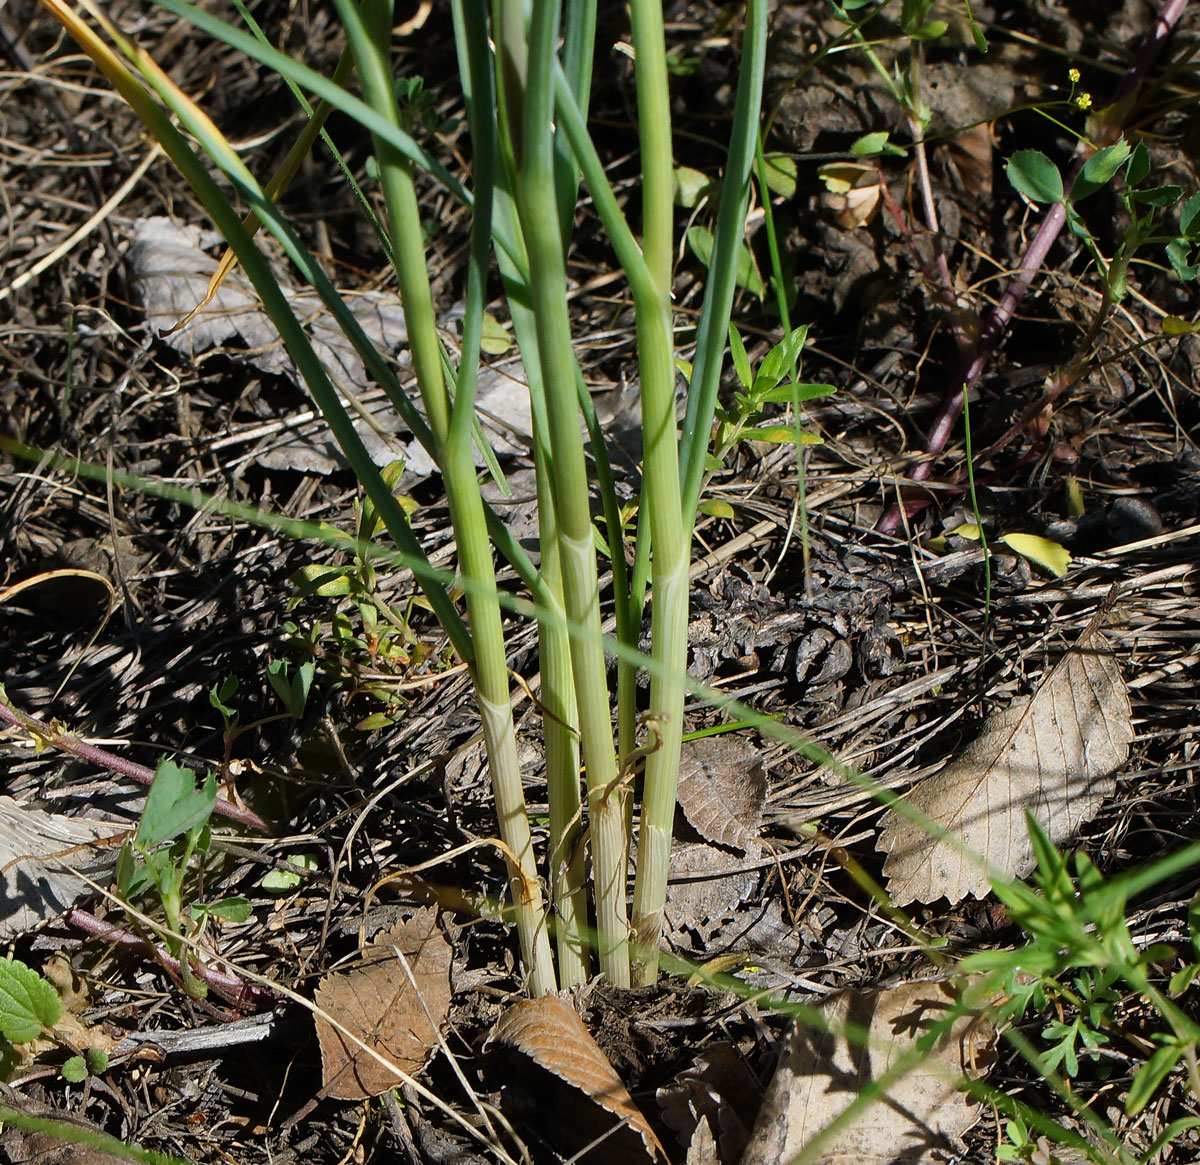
525,75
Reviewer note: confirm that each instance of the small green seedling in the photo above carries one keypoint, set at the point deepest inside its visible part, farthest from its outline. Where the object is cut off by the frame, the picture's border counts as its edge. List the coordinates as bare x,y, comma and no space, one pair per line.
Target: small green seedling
361,648
1038,178
1076,922
769,384
173,830
31,1010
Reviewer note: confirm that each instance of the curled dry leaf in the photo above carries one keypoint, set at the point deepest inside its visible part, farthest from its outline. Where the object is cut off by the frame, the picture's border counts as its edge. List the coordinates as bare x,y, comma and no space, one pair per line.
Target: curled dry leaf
722,789
39,852
550,1033
821,1072
385,1008
1053,754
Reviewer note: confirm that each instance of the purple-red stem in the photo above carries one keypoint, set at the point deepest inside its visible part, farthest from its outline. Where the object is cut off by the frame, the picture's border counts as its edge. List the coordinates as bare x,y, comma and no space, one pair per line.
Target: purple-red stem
1031,262
117,764
230,987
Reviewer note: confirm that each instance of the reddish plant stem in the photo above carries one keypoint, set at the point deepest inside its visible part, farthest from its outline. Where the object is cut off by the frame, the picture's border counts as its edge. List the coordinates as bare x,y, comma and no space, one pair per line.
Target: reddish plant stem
230,987
1031,262
66,742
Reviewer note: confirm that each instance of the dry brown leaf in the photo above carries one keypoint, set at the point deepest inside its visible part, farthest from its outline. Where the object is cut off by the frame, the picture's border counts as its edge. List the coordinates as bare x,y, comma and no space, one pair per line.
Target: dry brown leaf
378,1002
38,852
722,789
1053,754
822,1072
712,1101
549,1031
702,1148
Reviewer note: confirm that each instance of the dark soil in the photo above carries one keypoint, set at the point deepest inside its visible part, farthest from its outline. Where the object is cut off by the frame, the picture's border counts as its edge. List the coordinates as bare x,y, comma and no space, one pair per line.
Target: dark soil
891,669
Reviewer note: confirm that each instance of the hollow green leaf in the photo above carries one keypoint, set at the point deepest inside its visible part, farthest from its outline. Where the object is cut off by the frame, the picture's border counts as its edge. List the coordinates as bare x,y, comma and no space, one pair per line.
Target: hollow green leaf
1035,176
28,1004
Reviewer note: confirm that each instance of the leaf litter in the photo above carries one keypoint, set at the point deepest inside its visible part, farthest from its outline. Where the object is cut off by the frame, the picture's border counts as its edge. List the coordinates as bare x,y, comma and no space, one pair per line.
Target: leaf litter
548,1031
1053,755
396,1006
822,1071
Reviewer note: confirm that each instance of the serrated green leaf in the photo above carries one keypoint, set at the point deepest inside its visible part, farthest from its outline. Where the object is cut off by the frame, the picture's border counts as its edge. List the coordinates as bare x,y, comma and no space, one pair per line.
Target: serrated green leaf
28,1004
1040,551
174,805
1035,176
74,1070
715,508
781,174
1179,251
97,1060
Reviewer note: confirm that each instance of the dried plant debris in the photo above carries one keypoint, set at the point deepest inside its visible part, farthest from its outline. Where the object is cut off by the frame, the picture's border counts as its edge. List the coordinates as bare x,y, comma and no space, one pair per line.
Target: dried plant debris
65,1139
170,270
395,1006
1053,754
712,1103
707,887
722,790
40,856
549,1032
823,1070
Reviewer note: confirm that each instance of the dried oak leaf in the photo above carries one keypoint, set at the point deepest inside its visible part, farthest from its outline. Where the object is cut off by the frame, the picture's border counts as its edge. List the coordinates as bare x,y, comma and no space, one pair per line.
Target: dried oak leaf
1053,754
385,1008
821,1072
722,789
550,1033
